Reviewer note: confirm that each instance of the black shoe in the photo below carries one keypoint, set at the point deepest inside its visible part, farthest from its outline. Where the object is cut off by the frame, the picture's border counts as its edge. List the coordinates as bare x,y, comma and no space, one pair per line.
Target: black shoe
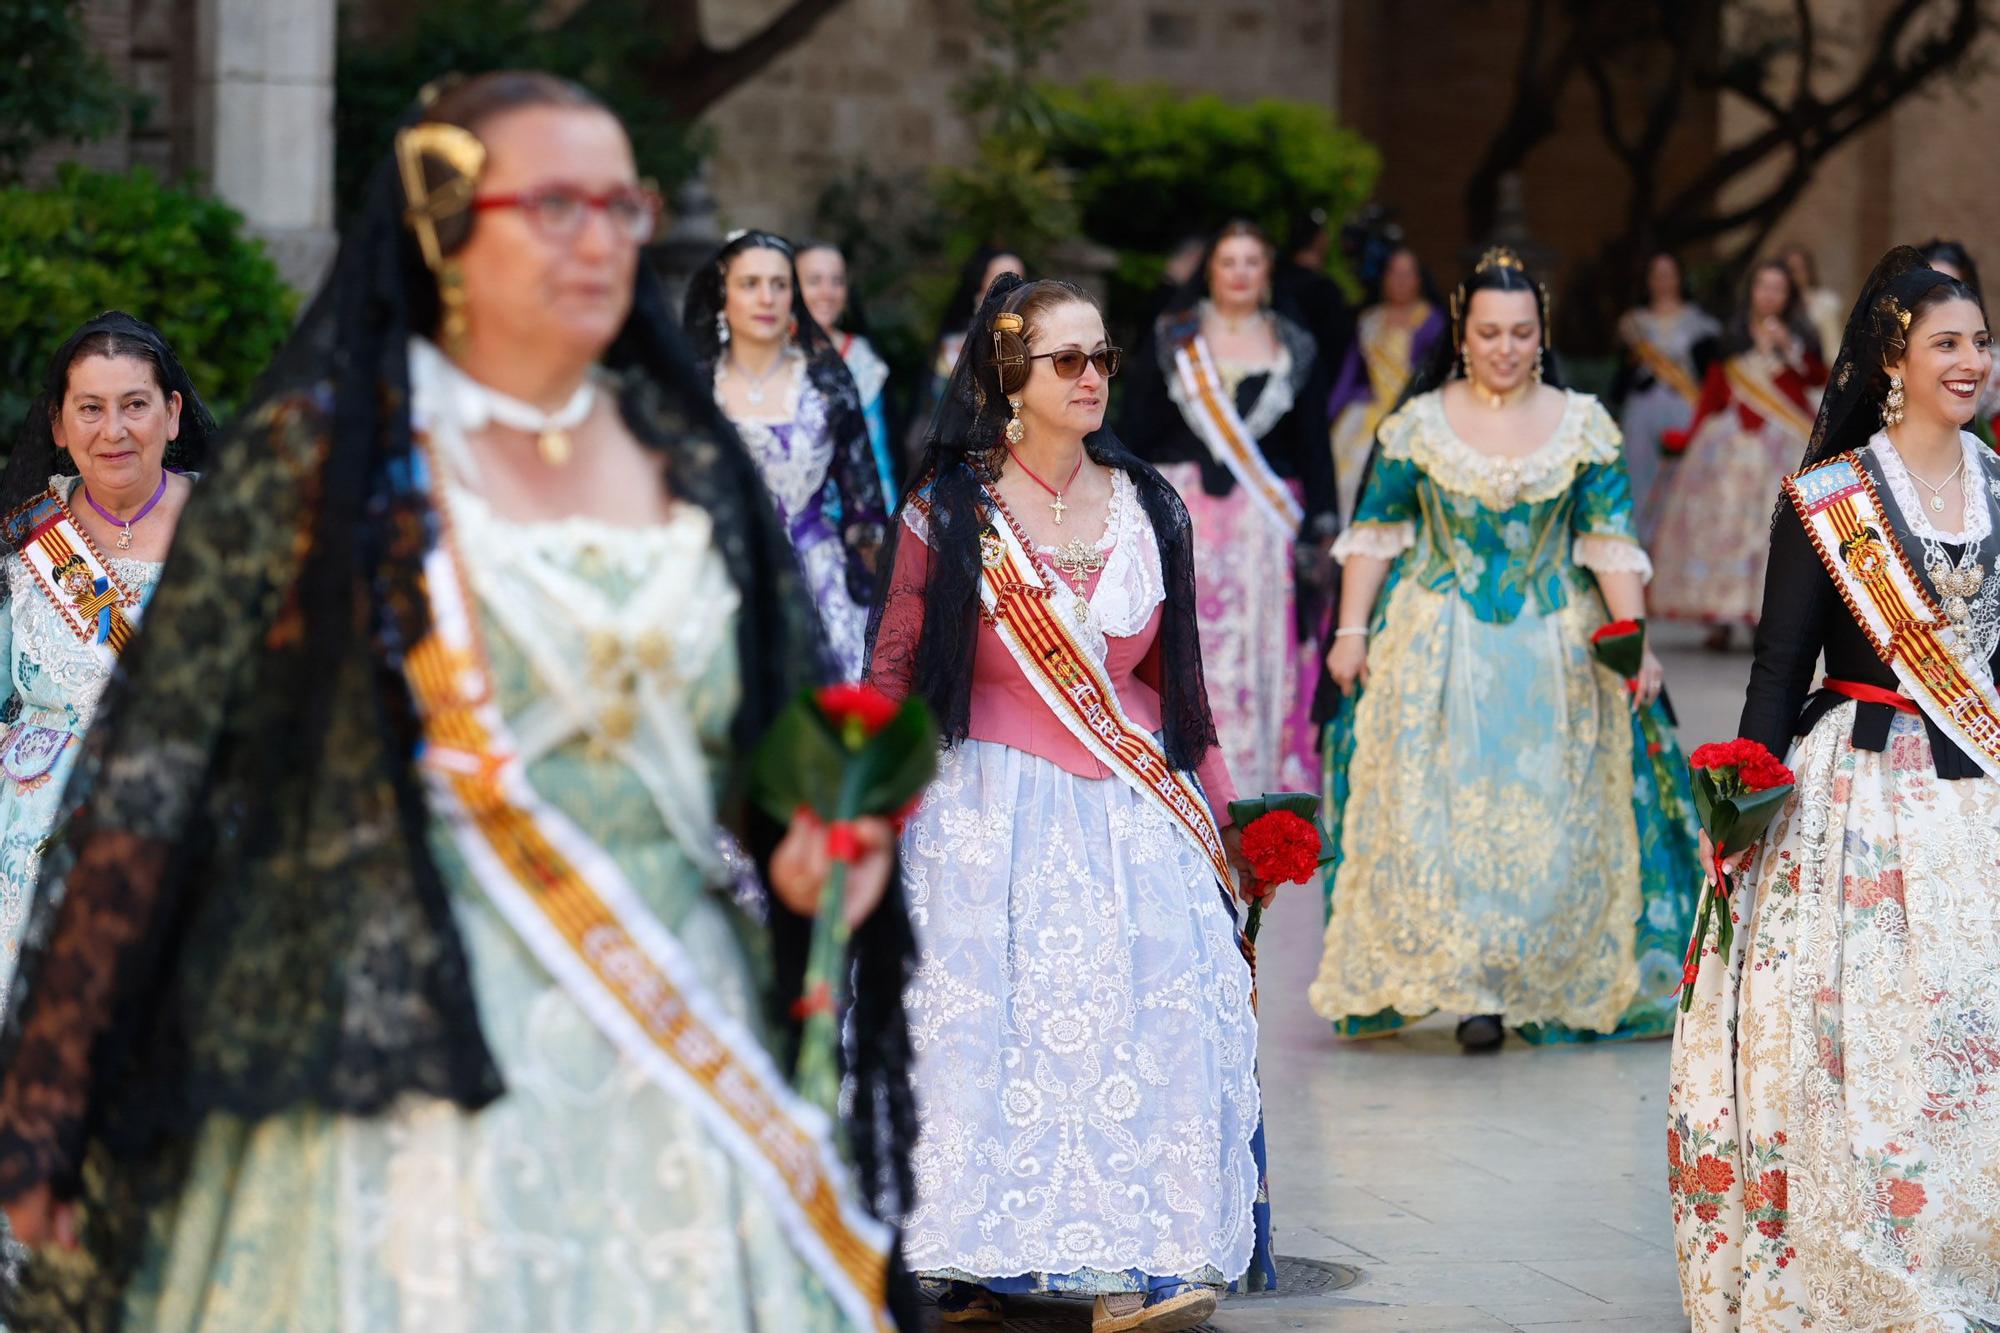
1481,1032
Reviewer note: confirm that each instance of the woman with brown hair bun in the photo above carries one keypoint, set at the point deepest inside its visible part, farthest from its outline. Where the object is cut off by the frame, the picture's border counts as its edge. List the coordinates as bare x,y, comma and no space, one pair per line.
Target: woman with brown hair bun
1086,1049
409,960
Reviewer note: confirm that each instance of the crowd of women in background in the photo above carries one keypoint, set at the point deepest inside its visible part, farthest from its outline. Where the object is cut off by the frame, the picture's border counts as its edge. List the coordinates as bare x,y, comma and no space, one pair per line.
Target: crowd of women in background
393,940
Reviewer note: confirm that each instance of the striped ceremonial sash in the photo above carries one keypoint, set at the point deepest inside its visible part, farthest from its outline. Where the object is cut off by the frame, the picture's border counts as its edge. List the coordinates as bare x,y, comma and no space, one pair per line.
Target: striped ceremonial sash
1668,371
1843,515
1021,606
1761,395
1214,417
573,907
73,574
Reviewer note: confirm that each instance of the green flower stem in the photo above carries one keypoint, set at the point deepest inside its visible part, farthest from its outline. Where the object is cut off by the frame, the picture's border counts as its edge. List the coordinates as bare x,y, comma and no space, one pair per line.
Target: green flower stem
818,1074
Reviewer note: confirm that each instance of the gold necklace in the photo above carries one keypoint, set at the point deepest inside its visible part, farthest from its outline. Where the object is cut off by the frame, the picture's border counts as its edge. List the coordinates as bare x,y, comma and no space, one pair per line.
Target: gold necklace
1496,399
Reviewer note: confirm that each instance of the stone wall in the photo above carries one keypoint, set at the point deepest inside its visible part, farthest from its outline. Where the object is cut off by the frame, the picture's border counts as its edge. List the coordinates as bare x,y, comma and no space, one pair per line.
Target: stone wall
873,84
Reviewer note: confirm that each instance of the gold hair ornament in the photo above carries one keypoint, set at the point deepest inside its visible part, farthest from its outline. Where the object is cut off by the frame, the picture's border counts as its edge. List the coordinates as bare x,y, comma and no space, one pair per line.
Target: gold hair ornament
440,166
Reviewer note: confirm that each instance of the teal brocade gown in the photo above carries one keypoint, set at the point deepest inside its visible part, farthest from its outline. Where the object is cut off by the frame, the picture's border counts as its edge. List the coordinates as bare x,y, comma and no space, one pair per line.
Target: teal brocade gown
1509,837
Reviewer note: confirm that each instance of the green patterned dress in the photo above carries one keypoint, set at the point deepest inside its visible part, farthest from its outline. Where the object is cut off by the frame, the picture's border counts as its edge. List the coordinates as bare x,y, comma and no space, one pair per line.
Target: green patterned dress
586,1198
1511,838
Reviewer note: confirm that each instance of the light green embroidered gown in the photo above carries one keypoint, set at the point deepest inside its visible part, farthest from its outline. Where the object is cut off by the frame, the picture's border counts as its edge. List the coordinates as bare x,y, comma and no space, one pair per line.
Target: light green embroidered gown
586,1198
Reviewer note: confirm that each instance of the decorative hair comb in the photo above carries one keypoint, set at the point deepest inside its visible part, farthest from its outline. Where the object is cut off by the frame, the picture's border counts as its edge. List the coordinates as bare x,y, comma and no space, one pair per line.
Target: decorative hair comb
1499,256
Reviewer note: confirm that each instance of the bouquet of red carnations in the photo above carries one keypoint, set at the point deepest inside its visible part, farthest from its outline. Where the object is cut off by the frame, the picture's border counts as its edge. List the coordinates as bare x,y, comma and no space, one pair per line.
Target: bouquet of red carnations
1282,841
1739,787
843,752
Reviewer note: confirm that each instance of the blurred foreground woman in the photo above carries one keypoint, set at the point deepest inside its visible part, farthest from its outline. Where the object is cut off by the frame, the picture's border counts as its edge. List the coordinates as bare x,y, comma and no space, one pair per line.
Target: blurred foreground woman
397,969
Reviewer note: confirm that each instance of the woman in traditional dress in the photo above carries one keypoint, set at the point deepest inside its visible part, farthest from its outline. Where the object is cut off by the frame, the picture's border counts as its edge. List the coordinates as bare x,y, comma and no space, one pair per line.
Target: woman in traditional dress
1662,383
1393,336
1823,307
91,496
1228,399
1086,1047
784,387
394,970
1512,822
1833,1132
823,280
1755,413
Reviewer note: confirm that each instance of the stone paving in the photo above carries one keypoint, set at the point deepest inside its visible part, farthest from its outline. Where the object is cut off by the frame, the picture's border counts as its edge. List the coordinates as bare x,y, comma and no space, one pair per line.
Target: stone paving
1520,1190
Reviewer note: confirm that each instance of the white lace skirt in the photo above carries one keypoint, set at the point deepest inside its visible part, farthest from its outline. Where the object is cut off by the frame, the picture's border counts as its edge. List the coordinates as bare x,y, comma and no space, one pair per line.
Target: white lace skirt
1086,1053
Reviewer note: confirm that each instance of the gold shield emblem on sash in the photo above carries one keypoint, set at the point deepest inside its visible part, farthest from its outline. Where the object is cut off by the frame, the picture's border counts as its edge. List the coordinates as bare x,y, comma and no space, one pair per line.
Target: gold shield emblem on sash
992,551
1865,556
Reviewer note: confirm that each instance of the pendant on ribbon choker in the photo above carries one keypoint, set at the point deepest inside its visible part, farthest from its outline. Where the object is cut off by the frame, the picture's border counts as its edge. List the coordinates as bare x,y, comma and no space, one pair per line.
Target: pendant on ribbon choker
124,525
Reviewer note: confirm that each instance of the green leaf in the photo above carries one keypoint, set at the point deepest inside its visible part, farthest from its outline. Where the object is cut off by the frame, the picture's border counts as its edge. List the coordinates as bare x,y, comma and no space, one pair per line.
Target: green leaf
899,761
797,763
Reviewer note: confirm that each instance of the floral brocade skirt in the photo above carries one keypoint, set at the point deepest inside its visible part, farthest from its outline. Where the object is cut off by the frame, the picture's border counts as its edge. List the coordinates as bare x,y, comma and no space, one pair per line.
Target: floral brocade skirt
1085,1045
1714,533
1260,677
1833,1133
1510,837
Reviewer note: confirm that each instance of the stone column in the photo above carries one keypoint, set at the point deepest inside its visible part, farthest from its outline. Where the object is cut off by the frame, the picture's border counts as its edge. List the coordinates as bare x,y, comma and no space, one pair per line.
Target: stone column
264,122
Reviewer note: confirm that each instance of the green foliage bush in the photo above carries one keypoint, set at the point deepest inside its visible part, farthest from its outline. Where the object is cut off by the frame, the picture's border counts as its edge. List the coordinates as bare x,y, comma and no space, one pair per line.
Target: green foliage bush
97,241
600,47
1150,165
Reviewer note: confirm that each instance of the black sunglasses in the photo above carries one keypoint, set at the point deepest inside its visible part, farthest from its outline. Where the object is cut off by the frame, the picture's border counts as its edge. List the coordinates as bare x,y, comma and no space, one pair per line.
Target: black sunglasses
1068,363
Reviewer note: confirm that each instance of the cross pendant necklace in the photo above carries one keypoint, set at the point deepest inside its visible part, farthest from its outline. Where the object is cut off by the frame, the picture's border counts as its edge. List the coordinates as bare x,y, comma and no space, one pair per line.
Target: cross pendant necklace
1057,504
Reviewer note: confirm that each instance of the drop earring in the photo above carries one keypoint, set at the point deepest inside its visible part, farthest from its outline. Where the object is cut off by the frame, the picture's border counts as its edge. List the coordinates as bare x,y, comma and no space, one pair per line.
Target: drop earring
451,295
1538,365
1015,431
721,329
1893,403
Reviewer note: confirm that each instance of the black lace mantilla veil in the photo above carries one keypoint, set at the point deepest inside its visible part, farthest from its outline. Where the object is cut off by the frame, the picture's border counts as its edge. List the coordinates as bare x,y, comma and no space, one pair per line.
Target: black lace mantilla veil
241,914
1850,411
853,465
961,448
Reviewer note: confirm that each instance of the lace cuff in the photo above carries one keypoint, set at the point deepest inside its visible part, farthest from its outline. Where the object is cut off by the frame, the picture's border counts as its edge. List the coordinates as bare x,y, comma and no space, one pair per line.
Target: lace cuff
1384,541
1602,554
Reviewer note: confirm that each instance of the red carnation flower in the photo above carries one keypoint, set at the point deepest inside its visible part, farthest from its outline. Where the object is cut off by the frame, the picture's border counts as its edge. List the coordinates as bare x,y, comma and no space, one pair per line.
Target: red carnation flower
1282,847
858,706
1616,629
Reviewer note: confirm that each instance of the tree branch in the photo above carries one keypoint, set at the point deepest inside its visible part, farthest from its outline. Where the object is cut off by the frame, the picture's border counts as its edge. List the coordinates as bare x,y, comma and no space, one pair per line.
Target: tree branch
1529,119
691,75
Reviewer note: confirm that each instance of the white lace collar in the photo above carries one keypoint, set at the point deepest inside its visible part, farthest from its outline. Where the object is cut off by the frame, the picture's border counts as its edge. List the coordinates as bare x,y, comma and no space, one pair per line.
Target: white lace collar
1132,583
1973,480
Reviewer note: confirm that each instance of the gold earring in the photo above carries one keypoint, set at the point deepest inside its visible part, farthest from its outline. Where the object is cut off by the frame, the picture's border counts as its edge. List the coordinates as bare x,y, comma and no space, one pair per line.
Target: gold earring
1015,431
451,293
1893,402
1538,363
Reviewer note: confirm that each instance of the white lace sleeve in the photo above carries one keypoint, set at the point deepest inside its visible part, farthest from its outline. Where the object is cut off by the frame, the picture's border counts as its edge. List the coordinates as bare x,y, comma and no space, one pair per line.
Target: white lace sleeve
1384,541
914,520
1611,555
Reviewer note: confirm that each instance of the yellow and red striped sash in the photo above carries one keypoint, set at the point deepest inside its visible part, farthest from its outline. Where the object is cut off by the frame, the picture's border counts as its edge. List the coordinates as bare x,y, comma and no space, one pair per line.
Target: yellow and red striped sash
1844,517
73,574
1213,416
572,906
1761,395
1021,605
1667,370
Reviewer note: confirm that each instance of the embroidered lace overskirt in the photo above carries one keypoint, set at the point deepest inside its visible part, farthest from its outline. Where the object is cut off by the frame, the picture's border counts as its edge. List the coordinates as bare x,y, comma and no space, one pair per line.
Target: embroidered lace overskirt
1085,1047
1260,680
1833,1131
1490,861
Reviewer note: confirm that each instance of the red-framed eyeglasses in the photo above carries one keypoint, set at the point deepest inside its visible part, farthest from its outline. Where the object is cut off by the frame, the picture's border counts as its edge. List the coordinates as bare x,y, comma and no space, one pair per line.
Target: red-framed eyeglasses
556,212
